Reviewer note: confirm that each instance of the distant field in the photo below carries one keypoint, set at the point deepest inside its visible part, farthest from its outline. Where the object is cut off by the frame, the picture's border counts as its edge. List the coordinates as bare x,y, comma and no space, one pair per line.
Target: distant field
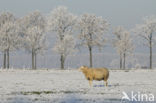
70,86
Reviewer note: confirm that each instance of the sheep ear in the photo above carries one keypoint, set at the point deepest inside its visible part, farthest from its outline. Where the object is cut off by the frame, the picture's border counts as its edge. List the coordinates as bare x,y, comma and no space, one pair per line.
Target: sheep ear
82,66
85,66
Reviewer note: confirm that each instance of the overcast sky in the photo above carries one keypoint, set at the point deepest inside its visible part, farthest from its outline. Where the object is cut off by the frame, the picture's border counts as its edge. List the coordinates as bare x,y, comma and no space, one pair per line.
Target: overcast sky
117,12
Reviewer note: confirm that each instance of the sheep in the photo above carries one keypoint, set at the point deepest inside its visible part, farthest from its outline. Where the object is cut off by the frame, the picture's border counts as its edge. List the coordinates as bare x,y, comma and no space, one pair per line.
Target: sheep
95,74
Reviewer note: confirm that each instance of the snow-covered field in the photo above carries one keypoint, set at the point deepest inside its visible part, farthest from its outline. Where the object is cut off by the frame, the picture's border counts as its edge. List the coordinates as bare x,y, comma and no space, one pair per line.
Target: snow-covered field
70,86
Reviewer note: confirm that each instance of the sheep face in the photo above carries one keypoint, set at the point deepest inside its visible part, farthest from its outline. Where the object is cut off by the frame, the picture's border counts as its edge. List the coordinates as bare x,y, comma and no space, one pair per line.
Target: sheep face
82,68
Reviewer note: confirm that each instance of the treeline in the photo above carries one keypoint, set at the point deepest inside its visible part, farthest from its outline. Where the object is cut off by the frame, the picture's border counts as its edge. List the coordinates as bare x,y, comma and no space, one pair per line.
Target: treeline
29,33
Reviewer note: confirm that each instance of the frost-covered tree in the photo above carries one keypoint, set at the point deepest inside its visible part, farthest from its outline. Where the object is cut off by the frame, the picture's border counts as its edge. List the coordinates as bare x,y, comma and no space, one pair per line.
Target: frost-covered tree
123,44
147,32
9,36
92,30
65,47
62,22
33,28
118,32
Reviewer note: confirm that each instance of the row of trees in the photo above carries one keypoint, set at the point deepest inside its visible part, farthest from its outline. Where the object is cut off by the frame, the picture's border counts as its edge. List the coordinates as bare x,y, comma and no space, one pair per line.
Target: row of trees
29,32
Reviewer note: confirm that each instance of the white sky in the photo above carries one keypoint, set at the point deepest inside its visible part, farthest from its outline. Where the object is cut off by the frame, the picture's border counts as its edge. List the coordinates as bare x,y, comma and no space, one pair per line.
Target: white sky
117,12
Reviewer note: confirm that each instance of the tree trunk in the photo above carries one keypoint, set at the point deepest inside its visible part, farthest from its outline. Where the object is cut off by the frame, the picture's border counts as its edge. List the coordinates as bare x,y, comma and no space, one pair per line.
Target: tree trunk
4,60
8,63
151,57
90,50
90,56
35,61
62,59
120,61
33,58
150,51
124,62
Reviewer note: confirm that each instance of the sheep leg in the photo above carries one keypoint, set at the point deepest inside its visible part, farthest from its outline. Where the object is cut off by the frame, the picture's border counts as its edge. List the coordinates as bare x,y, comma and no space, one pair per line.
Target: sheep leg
106,83
90,83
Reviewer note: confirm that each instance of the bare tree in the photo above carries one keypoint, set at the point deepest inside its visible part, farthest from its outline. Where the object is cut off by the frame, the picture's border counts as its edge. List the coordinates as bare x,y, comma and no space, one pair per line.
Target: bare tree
123,44
62,22
146,32
9,36
33,28
92,30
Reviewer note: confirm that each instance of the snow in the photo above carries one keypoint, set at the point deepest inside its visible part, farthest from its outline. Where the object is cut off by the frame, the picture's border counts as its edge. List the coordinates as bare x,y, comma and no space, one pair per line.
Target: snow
70,86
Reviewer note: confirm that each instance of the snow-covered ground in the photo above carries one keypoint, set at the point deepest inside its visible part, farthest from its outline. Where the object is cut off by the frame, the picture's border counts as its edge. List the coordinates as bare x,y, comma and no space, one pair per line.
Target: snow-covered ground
70,86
